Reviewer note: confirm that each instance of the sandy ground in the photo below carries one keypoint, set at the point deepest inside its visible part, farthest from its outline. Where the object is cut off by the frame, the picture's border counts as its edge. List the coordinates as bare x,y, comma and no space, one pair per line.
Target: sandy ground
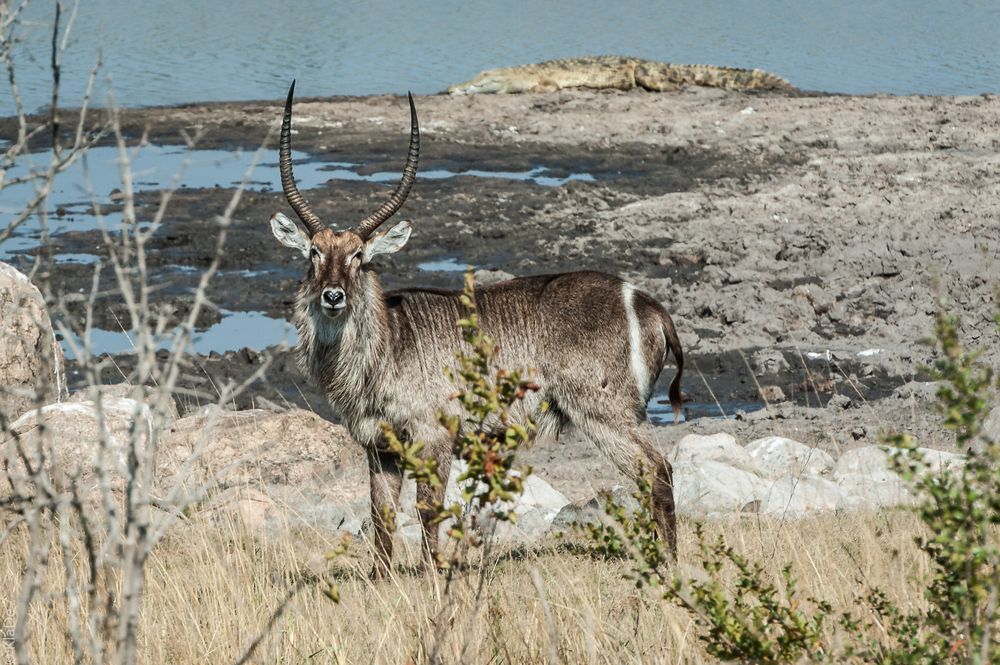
800,241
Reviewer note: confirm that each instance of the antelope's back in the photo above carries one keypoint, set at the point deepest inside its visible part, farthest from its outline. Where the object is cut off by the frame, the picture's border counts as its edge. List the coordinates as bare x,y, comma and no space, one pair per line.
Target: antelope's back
567,326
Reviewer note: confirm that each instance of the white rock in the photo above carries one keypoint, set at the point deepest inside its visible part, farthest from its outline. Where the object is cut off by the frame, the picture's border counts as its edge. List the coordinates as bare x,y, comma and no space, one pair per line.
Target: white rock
867,476
74,438
877,460
868,480
991,426
486,276
873,490
146,394
867,459
936,460
534,510
721,447
792,496
776,456
708,487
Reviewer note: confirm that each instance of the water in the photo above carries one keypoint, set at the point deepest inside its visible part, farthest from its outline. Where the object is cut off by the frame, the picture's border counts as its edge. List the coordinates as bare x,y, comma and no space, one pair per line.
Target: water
660,412
169,52
536,175
235,331
443,265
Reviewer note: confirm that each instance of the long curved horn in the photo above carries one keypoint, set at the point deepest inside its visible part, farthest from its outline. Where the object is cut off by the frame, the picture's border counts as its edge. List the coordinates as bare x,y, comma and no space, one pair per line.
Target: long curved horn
292,194
395,202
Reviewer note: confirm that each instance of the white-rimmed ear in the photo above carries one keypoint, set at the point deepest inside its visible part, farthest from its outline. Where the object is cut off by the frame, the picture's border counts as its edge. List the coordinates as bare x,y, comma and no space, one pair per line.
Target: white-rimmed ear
389,241
289,234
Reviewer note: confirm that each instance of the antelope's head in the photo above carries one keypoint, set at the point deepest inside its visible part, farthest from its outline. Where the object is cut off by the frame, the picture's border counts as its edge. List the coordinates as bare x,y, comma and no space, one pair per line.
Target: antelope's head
338,259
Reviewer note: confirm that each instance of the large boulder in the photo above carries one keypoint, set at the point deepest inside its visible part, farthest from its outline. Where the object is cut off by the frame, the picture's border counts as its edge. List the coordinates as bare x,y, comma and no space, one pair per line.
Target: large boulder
777,456
75,440
710,488
31,360
941,460
793,496
721,447
871,491
869,481
878,460
146,394
286,469
866,459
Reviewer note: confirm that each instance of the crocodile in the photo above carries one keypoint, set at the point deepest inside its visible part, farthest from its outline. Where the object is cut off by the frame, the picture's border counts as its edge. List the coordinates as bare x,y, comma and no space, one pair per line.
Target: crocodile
618,73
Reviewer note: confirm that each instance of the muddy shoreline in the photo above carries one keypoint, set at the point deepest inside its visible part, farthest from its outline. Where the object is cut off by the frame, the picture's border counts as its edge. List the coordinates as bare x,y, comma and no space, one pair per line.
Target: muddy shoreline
801,242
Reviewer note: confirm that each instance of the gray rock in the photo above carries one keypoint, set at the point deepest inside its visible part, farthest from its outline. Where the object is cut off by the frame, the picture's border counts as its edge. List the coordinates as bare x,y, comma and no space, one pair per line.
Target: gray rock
591,512
767,362
31,361
839,402
311,471
991,426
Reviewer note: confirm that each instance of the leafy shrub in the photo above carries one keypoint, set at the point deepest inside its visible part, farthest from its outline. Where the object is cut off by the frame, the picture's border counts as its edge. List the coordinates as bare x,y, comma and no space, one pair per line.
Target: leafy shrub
761,619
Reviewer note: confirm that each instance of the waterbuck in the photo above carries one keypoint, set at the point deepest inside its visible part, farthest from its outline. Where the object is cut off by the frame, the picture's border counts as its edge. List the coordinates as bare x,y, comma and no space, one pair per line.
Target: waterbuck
595,343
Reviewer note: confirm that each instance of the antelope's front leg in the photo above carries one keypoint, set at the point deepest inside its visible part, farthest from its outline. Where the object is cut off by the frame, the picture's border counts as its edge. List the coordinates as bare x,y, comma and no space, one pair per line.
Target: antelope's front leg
429,499
386,480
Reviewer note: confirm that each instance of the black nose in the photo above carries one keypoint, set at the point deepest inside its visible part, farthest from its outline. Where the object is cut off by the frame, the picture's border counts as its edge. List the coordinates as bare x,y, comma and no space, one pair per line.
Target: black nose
333,297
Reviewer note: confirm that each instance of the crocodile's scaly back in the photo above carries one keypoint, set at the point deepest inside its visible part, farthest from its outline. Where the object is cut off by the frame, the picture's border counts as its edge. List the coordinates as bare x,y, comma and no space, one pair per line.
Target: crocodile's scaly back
612,72
615,72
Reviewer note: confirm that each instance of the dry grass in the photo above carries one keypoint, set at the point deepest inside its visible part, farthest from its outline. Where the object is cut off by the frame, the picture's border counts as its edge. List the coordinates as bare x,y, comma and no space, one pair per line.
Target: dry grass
213,587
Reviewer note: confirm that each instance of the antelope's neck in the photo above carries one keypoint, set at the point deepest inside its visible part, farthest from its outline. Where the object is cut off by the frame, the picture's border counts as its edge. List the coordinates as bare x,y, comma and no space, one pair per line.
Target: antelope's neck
346,356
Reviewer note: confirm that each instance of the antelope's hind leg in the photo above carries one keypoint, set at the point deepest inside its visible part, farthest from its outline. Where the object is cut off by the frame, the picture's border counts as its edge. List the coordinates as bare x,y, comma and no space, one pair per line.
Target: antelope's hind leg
630,448
386,480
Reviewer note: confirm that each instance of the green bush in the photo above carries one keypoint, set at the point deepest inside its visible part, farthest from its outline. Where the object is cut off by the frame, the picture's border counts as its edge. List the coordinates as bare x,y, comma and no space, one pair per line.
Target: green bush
761,619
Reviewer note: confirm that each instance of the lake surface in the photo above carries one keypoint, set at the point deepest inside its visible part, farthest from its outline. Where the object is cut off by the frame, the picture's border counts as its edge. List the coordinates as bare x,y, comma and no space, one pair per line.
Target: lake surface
169,52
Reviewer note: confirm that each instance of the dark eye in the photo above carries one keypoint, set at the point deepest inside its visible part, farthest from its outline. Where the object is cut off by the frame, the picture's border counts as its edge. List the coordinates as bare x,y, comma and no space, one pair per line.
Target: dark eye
356,256
313,253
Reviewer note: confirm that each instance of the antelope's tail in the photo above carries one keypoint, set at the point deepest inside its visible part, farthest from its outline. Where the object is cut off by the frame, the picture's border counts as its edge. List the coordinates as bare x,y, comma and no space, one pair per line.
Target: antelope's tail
674,345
